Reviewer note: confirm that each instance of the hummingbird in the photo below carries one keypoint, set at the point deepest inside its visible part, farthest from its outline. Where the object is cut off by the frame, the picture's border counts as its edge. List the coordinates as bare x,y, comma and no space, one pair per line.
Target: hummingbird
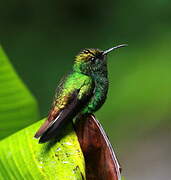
83,91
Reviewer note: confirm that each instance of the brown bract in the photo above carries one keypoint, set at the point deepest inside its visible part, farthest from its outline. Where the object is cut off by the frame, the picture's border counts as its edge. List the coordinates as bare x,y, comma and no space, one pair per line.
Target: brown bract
100,160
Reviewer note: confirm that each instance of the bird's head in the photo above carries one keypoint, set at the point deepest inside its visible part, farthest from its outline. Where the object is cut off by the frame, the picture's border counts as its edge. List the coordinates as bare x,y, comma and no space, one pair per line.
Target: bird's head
90,60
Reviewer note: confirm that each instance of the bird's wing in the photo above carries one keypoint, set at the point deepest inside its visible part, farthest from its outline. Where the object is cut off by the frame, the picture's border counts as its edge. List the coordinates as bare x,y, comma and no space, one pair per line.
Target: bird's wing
72,95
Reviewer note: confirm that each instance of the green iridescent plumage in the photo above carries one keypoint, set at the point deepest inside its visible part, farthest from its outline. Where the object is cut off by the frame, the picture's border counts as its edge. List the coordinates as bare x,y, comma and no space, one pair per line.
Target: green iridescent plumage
81,92
68,85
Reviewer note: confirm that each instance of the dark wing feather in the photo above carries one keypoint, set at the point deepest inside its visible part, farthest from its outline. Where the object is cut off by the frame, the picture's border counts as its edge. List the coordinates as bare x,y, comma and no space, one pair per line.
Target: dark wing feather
60,116
54,113
64,116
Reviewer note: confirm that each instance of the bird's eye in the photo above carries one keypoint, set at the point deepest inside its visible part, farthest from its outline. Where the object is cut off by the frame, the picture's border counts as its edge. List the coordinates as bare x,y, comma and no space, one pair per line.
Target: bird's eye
92,58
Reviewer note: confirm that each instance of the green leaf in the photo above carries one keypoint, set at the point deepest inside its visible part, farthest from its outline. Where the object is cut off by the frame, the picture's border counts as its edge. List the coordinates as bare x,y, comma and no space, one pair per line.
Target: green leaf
21,157
18,107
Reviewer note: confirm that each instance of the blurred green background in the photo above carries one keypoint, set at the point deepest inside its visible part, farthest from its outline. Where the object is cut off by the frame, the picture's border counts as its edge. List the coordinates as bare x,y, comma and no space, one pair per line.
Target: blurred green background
42,37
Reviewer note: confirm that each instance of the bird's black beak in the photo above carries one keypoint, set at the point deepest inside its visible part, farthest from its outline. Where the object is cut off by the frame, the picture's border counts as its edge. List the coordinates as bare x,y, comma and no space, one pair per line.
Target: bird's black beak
113,48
